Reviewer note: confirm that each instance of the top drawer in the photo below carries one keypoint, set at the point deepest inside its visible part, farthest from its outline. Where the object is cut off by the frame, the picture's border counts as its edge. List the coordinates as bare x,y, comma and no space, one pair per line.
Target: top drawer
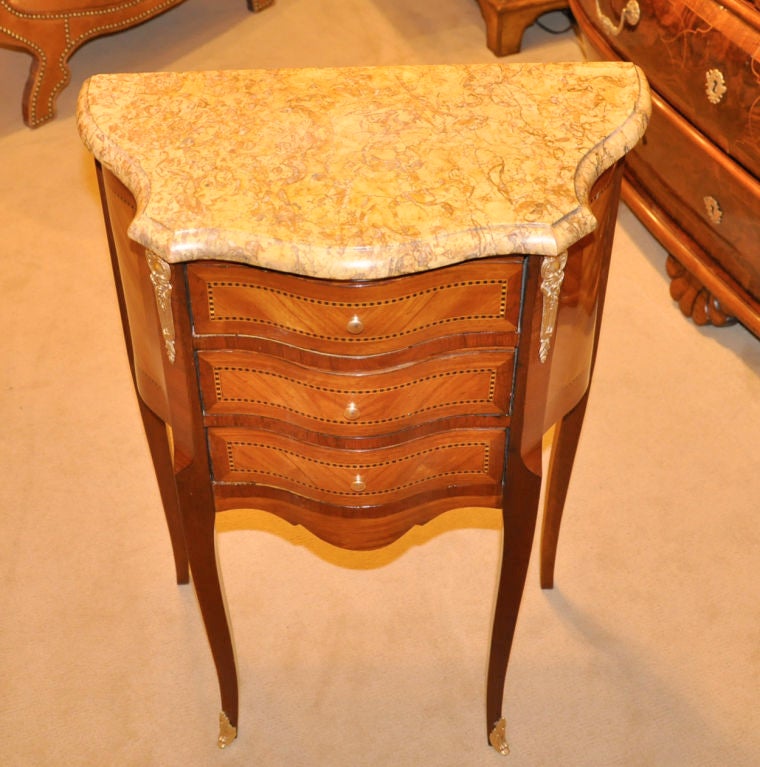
356,318
703,57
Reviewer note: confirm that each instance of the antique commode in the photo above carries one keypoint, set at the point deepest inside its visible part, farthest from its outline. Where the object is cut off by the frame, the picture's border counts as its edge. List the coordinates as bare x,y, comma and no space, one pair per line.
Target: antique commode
342,292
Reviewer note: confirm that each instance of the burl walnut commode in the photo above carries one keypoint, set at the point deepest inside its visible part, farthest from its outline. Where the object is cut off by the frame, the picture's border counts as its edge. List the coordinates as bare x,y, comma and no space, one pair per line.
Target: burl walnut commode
358,298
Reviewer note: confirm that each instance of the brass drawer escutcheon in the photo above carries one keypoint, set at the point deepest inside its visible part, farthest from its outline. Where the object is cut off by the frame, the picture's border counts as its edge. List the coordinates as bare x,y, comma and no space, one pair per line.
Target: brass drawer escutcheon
715,86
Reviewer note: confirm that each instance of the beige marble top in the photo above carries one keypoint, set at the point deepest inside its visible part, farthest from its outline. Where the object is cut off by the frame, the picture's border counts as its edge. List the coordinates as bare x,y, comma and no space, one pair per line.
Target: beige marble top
363,172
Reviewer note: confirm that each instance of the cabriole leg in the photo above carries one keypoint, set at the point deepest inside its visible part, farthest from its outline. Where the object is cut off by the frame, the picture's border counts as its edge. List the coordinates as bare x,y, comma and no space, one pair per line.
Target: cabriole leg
520,511
197,505
564,447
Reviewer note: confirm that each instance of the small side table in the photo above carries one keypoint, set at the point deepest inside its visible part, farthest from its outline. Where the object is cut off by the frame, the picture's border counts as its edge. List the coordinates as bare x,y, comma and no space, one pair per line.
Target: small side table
359,297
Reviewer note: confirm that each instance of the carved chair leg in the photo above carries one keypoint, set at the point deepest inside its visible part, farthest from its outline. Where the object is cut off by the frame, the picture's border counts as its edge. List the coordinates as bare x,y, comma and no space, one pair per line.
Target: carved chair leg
197,508
45,40
520,512
566,436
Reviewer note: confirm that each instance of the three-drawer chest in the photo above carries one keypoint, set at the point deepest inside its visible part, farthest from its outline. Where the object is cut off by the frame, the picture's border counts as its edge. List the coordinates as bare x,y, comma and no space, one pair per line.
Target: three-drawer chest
358,298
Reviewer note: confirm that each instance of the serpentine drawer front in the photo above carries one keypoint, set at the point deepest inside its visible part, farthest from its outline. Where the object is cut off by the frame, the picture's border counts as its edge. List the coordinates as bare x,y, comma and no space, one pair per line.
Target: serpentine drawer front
361,403
459,458
357,298
365,318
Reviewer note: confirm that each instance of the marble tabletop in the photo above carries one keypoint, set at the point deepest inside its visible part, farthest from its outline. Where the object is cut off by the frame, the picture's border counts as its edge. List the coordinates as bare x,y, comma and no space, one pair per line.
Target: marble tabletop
363,173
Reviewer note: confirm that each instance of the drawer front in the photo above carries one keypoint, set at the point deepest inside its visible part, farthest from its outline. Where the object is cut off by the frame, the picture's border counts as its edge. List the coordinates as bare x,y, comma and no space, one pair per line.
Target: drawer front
462,458
703,57
356,318
712,198
359,403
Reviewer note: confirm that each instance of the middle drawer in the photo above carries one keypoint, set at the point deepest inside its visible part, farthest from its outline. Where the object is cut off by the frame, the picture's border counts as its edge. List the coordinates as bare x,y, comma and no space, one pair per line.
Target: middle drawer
356,403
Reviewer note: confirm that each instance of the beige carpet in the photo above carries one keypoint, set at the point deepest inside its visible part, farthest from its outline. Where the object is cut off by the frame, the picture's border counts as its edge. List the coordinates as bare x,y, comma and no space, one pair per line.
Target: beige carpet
647,652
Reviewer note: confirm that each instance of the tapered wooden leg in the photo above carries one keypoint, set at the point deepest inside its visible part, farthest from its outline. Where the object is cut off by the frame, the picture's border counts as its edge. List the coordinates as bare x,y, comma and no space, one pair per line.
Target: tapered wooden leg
564,447
520,512
197,508
160,451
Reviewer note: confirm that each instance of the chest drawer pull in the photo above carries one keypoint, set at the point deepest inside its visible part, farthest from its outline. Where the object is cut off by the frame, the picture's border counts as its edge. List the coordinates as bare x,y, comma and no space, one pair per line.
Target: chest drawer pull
631,14
355,325
358,485
352,411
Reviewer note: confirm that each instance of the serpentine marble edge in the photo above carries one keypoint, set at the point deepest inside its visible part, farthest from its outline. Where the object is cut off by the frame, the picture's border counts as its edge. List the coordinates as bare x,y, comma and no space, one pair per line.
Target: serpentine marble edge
363,173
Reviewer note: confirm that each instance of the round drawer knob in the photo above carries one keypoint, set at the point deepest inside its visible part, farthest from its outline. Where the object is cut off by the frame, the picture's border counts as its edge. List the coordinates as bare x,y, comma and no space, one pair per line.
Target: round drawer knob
358,485
352,411
355,325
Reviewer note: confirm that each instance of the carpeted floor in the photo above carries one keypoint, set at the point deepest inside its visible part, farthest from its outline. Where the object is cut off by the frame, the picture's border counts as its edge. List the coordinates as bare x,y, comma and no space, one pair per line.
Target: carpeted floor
646,654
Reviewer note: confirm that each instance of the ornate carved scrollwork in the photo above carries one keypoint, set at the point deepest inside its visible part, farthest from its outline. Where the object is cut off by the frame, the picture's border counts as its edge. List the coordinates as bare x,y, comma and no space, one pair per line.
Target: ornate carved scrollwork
694,299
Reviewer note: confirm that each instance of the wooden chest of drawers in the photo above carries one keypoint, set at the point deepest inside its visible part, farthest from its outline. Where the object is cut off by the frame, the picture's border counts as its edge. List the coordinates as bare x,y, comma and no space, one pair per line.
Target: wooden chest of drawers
356,399
694,180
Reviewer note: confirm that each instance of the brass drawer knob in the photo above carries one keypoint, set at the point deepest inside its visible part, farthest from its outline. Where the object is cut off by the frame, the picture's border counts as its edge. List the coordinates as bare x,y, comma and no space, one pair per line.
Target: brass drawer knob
352,411
358,485
355,325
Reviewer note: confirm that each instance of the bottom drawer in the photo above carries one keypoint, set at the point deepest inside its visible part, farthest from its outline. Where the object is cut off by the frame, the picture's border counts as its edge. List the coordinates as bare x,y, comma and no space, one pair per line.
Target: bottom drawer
461,458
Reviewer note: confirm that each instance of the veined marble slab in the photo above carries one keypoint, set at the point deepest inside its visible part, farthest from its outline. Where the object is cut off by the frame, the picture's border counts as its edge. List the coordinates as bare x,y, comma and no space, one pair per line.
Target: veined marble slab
363,173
